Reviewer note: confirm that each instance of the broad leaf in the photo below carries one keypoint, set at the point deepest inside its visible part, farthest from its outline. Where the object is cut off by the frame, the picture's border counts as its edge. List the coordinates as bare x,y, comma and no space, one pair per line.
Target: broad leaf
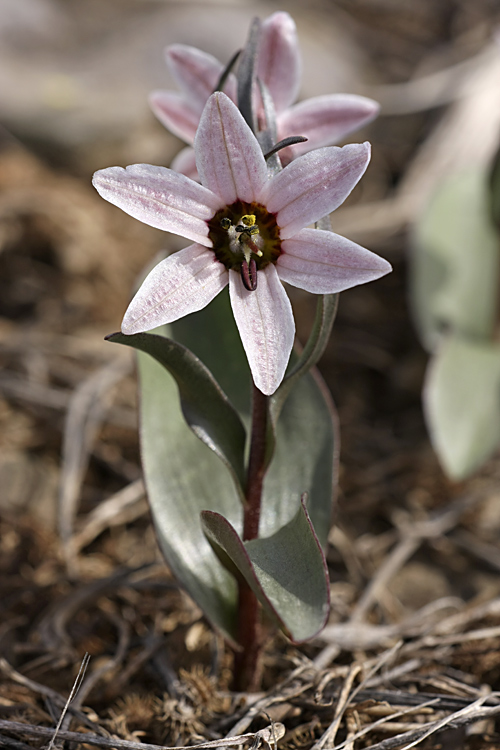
206,408
462,404
286,571
454,273
183,476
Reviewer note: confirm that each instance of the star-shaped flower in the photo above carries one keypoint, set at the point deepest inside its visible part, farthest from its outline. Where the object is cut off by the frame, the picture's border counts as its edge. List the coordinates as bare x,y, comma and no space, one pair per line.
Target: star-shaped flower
248,230
324,120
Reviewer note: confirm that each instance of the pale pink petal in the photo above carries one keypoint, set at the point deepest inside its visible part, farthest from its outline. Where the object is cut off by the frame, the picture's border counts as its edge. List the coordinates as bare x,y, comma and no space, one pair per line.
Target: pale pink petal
324,263
185,163
279,64
175,113
181,284
267,329
197,73
314,185
324,120
161,198
228,156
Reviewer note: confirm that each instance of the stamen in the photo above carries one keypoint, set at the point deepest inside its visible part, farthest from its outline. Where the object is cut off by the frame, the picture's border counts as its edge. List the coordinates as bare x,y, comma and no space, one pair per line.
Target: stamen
248,220
225,223
253,247
247,230
249,274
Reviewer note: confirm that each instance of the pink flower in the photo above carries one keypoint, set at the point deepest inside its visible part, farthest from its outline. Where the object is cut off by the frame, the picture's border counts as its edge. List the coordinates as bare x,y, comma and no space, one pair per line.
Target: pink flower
248,232
324,120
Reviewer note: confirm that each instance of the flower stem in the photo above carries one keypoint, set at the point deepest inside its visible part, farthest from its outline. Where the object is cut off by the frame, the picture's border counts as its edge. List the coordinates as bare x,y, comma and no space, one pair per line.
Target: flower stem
246,663
256,465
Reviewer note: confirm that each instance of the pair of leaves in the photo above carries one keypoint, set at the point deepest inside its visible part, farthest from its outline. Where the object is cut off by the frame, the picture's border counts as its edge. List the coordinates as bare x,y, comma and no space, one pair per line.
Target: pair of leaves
454,291
185,475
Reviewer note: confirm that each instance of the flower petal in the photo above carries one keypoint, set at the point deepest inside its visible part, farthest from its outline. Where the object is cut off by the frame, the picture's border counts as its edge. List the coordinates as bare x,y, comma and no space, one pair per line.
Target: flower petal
314,185
161,198
197,73
279,64
185,163
175,113
228,156
267,329
324,263
324,120
181,284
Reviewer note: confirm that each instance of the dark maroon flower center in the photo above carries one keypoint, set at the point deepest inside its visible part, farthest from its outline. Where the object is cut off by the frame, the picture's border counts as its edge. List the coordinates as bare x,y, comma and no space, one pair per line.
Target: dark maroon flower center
245,234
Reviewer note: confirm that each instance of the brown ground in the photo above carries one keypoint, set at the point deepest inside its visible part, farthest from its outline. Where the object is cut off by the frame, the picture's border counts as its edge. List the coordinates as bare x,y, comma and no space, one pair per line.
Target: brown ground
414,559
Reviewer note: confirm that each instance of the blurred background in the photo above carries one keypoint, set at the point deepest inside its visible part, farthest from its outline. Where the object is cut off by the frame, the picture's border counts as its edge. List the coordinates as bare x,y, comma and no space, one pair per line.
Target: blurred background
74,81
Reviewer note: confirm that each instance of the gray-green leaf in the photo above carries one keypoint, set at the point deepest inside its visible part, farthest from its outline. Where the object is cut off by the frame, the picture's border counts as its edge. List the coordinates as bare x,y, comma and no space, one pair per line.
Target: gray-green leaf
183,477
205,406
286,571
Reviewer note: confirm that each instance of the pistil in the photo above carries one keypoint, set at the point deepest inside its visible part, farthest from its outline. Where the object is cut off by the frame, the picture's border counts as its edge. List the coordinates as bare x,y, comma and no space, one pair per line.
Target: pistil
241,235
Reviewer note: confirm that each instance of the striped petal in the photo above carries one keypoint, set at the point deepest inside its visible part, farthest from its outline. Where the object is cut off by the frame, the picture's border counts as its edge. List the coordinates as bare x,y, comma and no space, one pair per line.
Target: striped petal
325,263
197,74
181,284
324,120
228,156
279,64
161,198
185,163
314,185
176,113
267,329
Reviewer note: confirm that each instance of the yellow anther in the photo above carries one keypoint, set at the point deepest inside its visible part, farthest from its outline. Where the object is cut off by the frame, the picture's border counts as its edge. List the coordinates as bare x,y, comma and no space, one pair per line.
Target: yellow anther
248,220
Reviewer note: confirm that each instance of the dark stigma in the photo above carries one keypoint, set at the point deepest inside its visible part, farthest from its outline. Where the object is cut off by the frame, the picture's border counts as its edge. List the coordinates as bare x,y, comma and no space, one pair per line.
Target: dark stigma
249,275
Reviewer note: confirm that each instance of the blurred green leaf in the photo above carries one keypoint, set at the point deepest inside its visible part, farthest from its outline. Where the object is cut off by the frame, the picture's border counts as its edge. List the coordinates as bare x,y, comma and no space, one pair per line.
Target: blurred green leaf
462,404
286,571
183,477
206,408
454,270
494,185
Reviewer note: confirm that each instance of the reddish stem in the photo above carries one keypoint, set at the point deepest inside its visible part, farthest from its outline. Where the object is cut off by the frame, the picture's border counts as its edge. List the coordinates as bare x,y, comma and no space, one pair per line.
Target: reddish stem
256,466
246,662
